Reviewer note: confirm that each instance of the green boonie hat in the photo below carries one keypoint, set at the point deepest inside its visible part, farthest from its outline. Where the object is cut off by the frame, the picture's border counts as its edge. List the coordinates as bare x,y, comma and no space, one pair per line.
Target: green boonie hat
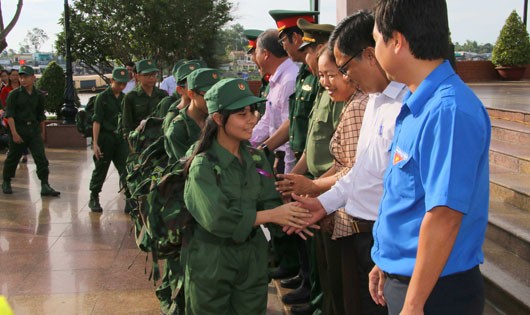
286,18
26,70
203,79
177,65
120,74
146,66
251,36
185,69
230,94
314,33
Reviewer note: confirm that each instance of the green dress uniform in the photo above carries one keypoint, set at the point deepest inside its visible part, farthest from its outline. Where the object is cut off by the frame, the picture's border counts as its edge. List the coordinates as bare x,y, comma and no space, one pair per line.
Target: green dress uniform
137,105
301,103
27,110
323,121
324,118
226,270
107,108
181,134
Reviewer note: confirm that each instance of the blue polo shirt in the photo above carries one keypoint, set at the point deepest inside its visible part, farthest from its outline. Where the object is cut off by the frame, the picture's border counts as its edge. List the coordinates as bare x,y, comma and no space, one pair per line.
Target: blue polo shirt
439,157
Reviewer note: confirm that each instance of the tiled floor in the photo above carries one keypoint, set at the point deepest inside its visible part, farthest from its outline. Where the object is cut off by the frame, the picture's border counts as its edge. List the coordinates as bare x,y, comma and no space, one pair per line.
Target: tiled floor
57,257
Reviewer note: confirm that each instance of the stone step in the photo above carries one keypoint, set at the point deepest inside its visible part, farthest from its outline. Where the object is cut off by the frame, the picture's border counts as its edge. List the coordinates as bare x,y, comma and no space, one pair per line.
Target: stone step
509,227
512,188
514,157
506,279
510,131
498,112
281,293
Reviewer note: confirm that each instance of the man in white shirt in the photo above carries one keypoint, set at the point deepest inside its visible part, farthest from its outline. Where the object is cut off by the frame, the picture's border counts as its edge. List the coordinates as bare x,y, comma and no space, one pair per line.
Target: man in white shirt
131,84
272,58
169,84
360,191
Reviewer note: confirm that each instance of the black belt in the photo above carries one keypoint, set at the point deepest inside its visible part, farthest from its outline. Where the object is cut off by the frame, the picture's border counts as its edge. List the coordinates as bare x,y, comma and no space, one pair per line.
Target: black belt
399,278
205,236
361,226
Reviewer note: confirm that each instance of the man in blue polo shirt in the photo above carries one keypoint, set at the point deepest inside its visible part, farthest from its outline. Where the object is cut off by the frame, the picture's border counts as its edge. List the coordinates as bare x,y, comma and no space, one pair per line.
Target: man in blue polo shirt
434,210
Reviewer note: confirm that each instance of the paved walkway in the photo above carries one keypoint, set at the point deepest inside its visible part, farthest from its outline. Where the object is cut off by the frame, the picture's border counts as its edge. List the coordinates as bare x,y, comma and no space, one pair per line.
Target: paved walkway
57,257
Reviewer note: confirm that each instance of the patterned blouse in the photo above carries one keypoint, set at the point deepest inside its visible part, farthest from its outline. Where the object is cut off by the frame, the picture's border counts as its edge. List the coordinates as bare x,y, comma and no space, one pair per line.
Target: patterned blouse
343,147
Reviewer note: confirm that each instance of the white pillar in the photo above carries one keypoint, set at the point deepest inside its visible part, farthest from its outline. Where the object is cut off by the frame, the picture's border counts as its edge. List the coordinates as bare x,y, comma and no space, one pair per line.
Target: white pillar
347,7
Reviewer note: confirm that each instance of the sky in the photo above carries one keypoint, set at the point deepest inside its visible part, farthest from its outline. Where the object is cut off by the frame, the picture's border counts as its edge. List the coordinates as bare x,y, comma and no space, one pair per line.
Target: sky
479,20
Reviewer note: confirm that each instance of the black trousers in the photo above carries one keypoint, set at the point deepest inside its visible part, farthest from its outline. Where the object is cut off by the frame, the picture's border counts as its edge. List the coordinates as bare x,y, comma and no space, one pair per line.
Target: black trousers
356,263
460,293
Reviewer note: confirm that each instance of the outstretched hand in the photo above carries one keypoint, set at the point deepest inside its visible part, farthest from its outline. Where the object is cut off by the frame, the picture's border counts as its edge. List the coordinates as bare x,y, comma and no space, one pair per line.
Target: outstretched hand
291,215
315,207
294,183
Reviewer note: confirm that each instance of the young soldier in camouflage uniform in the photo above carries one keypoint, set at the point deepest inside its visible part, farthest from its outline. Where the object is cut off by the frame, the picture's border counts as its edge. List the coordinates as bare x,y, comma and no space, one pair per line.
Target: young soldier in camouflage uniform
108,144
25,115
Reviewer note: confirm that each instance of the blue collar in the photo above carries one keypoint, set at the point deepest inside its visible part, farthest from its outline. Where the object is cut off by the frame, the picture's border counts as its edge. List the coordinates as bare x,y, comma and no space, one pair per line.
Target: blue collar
415,101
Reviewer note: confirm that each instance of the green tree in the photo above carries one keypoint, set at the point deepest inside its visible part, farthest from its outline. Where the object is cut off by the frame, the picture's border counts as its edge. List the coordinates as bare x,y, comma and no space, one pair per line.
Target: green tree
53,82
108,31
35,38
513,44
229,39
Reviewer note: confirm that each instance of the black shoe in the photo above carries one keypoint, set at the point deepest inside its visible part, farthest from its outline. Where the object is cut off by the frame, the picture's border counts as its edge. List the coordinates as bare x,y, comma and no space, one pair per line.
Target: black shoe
298,296
305,309
6,187
94,205
291,283
47,190
282,273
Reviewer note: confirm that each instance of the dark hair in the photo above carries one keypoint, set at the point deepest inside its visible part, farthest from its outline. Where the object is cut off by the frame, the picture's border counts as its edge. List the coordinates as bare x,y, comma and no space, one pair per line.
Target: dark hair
289,32
4,70
353,34
11,71
268,40
325,51
130,64
423,23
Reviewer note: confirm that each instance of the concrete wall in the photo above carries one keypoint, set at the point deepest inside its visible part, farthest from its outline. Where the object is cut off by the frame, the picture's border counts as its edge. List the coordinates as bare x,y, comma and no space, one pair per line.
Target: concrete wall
347,7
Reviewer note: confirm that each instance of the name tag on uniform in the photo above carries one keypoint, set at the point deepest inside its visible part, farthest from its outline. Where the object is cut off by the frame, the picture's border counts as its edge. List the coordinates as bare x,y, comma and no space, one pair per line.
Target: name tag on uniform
306,87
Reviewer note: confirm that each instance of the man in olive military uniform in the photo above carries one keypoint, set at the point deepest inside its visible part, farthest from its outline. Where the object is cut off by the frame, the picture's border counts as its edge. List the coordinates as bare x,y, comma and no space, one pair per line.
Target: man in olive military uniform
164,105
290,35
252,36
317,160
141,102
295,128
25,116
108,144
181,74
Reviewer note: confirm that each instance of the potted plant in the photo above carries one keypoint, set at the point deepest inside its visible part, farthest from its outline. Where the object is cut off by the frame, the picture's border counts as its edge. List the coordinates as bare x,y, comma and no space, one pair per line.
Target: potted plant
511,52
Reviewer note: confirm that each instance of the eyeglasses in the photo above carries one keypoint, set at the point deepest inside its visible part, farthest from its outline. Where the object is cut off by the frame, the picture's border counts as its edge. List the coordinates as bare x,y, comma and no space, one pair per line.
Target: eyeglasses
281,40
342,69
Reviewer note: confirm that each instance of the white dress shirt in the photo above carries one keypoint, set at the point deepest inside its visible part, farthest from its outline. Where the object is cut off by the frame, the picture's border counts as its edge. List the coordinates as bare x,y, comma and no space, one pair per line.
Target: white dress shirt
169,85
131,84
361,189
281,85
